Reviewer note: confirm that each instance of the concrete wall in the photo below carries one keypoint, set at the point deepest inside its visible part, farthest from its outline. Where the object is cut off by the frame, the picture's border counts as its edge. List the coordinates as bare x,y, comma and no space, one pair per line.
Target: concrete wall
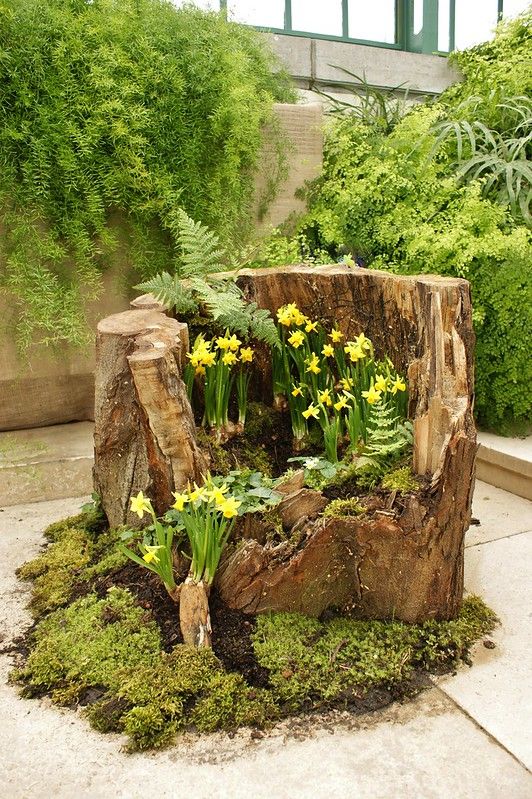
314,62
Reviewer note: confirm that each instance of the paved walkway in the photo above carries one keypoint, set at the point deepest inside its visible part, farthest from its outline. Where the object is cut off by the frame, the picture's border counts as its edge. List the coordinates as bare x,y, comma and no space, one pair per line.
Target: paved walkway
468,737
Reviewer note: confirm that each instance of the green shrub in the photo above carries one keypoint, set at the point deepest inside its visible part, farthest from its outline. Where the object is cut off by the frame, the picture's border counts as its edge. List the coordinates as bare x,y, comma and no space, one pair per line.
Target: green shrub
124,110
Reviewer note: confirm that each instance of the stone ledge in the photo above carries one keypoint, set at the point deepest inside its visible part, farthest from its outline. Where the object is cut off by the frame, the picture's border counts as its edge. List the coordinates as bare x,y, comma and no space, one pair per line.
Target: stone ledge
506,463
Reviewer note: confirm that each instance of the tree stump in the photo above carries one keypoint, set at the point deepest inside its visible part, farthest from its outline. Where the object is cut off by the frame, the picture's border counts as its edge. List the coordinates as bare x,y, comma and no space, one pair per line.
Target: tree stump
144,438
407,562
402,559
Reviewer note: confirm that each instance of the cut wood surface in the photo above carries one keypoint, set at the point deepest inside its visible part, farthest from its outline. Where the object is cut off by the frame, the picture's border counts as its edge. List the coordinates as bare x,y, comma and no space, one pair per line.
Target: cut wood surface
403,558
405,564
144,437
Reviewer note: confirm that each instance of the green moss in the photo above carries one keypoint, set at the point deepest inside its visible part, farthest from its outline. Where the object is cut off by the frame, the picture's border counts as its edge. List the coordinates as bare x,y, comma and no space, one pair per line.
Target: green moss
262,421
90,643
401,480
316,662
53,571
229,703
344,507
77,553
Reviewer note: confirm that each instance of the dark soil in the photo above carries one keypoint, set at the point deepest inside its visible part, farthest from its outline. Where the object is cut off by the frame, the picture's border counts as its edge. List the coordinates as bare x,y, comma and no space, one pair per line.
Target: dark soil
231,629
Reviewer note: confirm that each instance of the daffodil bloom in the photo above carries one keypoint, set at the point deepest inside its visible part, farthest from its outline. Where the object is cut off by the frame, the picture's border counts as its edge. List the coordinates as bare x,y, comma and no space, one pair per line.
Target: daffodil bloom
229,358
151,554
229,507
325,397
312,364
296,339
222,343
347,383
354,351
199,370
208,359
198,493
140,505
298,318
246,354
381,383
284,317
336,336
398,385
342,403
363,342
297,392
194,358
328,350
311,327
180,500
234,343
216,494
311,411
373,395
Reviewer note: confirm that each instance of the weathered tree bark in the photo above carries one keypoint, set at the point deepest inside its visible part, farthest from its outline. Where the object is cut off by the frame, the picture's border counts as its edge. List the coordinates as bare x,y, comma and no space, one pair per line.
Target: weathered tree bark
404,560
144,437
194,616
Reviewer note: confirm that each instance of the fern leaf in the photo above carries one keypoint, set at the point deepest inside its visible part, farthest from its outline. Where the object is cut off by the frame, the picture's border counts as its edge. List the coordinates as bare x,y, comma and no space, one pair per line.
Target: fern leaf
169,290
201,253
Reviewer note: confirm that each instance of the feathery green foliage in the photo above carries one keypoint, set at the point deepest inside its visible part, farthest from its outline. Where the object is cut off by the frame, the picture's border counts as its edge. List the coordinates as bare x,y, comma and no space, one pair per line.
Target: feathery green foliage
395,202
113,116
195,283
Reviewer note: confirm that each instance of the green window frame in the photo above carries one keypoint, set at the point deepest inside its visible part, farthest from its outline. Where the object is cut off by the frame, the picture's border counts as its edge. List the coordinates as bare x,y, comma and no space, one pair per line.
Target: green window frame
426,41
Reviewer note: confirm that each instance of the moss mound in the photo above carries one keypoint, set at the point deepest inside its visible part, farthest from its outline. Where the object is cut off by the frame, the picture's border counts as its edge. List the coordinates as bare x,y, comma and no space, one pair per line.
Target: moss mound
105,650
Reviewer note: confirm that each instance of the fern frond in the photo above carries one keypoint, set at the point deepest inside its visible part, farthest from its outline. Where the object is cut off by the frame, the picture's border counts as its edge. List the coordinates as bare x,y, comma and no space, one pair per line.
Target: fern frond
169,290
201,253
386,439
225,303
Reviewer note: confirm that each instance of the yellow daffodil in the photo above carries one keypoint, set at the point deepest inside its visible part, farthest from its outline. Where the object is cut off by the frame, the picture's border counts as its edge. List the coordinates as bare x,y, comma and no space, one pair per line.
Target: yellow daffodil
312,364
284,317
328,350
246,354
140,505
199,370
347,383
151,554
229,507
325,397
311,411
208,358
311,327
234,343
180,500
222,342
296,339
381,382
342,403
198,493
194,358
229,358
355,352
398,385
336,336
298,318
216,494
297,392
373,395
363,342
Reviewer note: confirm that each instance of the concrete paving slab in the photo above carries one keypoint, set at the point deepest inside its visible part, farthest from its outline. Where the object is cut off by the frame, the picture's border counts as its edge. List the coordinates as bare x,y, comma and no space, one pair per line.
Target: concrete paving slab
500,514
497,692
46,463
426,749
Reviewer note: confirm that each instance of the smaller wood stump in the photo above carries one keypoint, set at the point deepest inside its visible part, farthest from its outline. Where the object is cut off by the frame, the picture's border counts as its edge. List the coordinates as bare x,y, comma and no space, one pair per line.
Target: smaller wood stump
144,437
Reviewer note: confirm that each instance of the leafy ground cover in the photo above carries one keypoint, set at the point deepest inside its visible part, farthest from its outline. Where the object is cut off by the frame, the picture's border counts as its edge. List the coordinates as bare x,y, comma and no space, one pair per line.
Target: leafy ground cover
110,642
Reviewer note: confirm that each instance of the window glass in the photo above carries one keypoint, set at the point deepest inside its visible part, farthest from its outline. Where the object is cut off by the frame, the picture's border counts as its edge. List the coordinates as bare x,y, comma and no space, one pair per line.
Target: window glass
474,22
511,8
444,13
257,12
373,21
418,16
315,16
